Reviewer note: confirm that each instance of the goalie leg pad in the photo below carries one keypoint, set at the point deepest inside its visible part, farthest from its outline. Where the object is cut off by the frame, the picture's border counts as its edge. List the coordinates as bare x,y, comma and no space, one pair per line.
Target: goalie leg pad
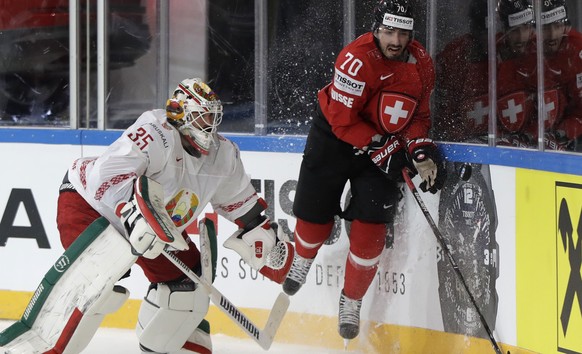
169,315
74,294
200,341
89,323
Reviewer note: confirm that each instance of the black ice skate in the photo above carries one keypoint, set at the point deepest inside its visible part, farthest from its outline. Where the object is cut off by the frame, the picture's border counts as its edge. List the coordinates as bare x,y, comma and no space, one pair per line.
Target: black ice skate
297,274
349,317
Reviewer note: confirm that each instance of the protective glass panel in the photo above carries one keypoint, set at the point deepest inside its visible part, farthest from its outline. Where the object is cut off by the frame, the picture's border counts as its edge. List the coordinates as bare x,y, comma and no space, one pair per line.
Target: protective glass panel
461,98
131,75
301,56
34,63
516,74
562,81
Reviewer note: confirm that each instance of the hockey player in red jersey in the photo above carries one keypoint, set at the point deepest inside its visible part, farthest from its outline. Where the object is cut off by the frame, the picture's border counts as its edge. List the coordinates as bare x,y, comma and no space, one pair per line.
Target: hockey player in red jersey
179,149
372,121
563,78
461,97
516,100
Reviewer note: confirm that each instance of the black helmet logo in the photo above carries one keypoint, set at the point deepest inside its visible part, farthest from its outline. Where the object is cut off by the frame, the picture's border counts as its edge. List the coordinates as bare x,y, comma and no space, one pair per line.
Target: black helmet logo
394,13
513,13
554,11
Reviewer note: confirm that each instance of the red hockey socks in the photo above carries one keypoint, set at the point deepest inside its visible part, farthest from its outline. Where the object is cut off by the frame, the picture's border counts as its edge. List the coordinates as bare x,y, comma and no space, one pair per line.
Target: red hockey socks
366,245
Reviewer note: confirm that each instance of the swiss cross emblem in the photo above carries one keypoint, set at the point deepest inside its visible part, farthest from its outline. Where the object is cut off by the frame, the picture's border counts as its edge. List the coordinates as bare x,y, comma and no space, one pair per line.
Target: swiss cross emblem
395,111
511,110
477,113
551,107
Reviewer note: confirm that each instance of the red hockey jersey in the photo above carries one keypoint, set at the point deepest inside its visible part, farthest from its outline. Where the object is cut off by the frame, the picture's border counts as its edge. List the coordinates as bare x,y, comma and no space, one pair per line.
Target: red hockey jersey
563,87
371,94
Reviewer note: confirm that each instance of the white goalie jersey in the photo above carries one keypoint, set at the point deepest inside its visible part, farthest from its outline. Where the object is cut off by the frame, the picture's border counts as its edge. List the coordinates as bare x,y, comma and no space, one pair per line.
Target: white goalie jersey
152,147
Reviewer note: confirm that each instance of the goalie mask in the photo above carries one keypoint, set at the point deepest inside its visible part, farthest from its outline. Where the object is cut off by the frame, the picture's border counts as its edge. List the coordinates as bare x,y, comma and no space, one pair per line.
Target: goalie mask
196,111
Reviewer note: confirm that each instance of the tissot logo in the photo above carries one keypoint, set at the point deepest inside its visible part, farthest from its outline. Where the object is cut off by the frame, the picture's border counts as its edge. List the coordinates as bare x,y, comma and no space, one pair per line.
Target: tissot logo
569,262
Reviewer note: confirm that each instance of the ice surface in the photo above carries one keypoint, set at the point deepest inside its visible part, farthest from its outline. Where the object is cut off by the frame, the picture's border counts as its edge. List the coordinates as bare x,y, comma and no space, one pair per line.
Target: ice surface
124,341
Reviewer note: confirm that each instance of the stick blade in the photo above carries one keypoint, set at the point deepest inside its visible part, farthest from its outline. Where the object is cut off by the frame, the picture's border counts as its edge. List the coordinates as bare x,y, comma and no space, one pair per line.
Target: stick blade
275,318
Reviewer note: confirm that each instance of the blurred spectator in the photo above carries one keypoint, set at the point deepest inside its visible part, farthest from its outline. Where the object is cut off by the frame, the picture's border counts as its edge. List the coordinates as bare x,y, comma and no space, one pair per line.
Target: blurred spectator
34,54
562,47
516,101
462,100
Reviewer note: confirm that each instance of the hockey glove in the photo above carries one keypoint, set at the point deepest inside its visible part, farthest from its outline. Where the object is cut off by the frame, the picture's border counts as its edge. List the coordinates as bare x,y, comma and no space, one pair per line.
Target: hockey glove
556,141
387,153
428,163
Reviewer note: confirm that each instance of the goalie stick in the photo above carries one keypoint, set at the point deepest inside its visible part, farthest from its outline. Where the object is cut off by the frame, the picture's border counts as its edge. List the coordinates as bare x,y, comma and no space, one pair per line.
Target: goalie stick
264,337
441,240
150,196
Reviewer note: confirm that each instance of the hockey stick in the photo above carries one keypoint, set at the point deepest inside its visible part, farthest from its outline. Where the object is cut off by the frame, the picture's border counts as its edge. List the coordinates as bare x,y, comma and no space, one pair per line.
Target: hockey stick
149,195
441,240
264,337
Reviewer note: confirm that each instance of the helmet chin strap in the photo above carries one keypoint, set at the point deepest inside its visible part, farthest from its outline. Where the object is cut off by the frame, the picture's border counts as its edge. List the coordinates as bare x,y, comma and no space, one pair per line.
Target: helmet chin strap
188,145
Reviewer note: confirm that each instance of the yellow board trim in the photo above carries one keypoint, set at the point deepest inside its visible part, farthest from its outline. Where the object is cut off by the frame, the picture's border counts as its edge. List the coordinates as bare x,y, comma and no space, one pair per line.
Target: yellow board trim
302,329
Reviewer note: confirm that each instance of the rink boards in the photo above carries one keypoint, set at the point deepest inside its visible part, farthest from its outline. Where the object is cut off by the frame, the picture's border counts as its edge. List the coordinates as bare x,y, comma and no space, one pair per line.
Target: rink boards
532,268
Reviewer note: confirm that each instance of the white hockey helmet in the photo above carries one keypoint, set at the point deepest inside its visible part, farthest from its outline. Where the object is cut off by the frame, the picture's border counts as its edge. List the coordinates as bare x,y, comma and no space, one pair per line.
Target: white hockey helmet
196,111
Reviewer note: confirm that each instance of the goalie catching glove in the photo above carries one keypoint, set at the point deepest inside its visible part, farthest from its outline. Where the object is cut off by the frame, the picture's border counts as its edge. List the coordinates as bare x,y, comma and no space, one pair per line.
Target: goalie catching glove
387,153
428,163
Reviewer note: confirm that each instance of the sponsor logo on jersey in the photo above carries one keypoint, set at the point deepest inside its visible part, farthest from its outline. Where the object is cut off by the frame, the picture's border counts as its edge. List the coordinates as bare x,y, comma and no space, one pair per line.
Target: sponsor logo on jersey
347,84
406,23
161,134
554,15
395,111
520,18
511,110
579,80
336,96
182,207
384,77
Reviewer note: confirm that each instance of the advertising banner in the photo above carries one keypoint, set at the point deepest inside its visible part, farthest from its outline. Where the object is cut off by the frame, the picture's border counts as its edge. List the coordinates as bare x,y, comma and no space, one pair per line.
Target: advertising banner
549,261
